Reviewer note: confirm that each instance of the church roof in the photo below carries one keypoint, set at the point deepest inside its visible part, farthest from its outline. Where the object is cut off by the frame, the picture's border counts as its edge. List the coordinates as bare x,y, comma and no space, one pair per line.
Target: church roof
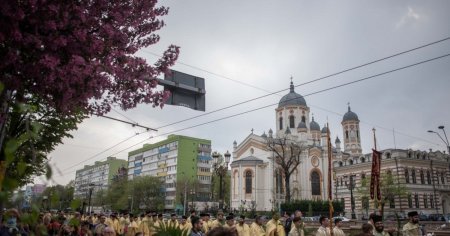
350,115
247,160
313,125
292,98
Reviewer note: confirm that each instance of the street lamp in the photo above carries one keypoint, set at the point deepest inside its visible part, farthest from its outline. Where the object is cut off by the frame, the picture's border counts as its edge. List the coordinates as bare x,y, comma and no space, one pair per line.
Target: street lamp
350,187
91,188
446,142
220,166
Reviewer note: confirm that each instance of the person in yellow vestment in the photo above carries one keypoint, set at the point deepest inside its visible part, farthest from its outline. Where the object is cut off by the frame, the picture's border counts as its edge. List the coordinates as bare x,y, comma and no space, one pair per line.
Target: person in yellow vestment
412,228
323,230
145,225
257,228
274,226
207,224
219,222
173,222
297,230
133,226
184,225
337,230
114,223
242,228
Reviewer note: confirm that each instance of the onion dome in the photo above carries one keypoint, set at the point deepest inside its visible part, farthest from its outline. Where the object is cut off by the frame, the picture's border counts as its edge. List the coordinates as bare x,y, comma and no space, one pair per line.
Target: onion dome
324,129
301,125
350,115
292,98
288,131
337,140
313,125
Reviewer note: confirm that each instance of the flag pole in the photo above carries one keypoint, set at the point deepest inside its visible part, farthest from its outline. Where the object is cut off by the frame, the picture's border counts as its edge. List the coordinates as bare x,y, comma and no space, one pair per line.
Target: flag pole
377,180
330,195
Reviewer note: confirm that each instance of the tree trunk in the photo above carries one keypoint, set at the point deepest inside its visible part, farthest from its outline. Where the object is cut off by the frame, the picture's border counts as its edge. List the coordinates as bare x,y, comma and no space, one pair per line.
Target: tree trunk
287,184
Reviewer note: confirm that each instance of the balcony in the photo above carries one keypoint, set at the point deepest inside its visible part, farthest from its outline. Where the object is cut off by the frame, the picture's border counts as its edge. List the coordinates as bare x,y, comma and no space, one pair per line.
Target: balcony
204,149
161,174
162,165
201,173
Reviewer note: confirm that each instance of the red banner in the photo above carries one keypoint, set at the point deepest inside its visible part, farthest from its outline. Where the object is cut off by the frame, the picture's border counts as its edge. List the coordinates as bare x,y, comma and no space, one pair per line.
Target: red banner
375,176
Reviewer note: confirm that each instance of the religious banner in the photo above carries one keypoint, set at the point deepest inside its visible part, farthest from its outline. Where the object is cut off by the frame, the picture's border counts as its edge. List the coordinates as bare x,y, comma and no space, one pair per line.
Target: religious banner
375,176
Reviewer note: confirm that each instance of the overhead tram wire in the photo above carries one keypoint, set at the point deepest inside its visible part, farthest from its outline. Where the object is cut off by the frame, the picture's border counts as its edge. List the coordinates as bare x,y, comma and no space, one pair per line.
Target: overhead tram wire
273,104
123,115
107,149
283,90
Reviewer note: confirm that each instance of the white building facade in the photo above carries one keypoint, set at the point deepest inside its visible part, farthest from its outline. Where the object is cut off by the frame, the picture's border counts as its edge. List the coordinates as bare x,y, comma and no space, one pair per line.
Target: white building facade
256,180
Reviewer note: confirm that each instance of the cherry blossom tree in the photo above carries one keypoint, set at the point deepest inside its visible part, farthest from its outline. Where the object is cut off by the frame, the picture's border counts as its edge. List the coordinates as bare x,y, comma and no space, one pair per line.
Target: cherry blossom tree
69,59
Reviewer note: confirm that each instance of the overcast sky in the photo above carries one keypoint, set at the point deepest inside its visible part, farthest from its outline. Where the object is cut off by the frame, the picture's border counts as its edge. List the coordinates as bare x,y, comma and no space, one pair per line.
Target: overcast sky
244,49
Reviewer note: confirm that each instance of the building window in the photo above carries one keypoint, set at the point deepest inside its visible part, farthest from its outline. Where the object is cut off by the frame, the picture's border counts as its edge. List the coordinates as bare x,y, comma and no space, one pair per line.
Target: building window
346,134
340,163
422,177
407,176
391,202
442,177
410,201
350,162
363,159
292,122
425,201
416,200
303,119
428,177
279,182
248,181
431,201
315,183
388,155
357,134
281,122
413,176
437,177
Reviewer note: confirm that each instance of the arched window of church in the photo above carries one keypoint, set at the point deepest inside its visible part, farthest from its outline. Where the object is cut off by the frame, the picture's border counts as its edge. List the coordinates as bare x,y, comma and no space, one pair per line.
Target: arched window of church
422,177
350,162
315,183
407,176
442,177
292,121
346,134
281,122
413,176
437,177
428,177
248,181
304,119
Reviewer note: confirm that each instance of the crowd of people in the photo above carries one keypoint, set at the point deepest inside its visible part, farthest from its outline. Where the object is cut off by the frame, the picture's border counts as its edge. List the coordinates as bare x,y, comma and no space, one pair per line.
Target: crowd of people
76,224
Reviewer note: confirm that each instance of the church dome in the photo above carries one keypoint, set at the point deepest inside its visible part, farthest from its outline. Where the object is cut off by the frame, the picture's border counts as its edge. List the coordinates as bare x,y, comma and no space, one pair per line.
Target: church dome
301,125
292,98
350,115
313,125
324,129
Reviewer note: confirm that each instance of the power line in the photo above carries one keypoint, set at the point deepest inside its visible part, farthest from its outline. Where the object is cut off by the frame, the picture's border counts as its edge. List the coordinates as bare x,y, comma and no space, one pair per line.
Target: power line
123,115
273,104
113,146
302,84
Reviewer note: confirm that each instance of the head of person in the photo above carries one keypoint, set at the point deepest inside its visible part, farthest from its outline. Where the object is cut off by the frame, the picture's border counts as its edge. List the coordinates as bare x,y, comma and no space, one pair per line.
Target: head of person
298,213
173,216
338,222
378,223
154,216
221,231
197,223
207,216
230,220
113,216
371,217
276,216
193,212
413,217
297,222
160,216
183,220
324,221
108,231
220,215
367,228
202,216
242,220
259,220
102,219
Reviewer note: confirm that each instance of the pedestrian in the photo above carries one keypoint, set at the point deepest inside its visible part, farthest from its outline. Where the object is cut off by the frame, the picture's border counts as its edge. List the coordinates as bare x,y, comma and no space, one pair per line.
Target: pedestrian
197,225
412,228
323,229
297,230
257,228
242,228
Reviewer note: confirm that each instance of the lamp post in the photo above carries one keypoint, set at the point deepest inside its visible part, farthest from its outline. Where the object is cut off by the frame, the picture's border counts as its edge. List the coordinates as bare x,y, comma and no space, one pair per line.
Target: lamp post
350,187
91,188
192,199
446,142
220,166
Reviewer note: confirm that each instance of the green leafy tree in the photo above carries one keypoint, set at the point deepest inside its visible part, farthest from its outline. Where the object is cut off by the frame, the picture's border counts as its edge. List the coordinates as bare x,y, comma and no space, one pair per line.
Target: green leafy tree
363,194
226,188
148,192
116,197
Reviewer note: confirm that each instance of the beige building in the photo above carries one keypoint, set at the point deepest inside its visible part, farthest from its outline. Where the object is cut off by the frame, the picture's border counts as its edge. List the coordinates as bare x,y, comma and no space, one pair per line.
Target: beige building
425,175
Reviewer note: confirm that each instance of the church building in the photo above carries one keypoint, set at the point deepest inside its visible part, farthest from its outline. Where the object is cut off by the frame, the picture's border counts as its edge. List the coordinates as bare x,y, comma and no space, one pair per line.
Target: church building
256,179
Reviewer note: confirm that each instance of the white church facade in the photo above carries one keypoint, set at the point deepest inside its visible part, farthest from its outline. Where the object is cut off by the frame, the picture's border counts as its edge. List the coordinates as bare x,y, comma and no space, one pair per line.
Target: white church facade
256,178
